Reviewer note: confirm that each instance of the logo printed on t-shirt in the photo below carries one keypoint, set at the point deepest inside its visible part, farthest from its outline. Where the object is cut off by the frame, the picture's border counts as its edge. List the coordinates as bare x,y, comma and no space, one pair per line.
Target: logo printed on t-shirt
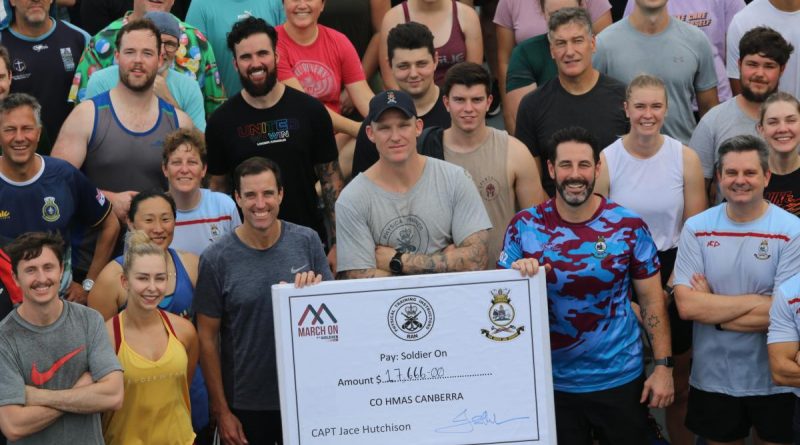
298,269
50,211
40,378
67,59
100,197
406,233
316,78
489,188
699,19
600,248
19,69
268,132
763,251
784,199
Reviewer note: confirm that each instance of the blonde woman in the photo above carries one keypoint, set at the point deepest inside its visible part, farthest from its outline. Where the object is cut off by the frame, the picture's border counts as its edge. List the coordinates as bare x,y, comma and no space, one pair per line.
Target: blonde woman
661,179
158,351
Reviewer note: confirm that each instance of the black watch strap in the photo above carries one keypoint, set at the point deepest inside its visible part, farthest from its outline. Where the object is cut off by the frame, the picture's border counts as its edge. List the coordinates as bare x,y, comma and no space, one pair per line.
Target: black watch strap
396,263
668,361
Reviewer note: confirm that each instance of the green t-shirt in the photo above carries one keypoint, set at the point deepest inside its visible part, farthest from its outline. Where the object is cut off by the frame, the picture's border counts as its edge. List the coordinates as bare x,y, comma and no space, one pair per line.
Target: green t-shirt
530,63
194,57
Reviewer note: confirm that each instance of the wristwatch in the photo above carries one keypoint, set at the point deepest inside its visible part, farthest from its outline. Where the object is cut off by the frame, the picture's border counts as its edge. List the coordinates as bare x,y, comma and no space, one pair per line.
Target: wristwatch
87,284
667,361
396,263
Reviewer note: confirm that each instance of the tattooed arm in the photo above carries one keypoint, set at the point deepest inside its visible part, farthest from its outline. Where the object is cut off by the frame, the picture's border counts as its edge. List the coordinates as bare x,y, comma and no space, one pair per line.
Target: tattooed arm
331,183
363,273
471,254
654,314
658,388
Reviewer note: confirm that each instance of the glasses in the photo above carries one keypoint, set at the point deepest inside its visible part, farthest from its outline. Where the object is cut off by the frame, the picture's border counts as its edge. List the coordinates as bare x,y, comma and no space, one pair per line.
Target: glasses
170,46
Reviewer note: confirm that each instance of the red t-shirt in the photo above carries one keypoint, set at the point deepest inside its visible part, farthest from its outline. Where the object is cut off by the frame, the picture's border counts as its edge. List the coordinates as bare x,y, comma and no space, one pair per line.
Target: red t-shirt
322,67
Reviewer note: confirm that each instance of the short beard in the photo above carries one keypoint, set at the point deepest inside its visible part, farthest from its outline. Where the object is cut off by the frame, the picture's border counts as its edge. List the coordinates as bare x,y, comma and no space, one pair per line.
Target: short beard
259,90
748,94
560,186
147,85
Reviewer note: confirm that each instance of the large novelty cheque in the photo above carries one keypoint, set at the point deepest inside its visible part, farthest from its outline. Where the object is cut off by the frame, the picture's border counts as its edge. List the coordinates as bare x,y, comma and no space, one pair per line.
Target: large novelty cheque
447,359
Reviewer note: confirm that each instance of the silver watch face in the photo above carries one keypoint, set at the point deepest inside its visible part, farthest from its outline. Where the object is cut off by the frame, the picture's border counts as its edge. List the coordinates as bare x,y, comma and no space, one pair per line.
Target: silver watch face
87,285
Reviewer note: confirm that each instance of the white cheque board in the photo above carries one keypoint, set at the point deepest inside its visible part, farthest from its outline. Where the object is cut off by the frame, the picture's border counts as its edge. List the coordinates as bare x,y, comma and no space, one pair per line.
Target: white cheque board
447,359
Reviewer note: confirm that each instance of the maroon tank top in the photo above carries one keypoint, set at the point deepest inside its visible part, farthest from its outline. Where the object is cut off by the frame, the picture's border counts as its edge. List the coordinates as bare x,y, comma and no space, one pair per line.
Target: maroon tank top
452,52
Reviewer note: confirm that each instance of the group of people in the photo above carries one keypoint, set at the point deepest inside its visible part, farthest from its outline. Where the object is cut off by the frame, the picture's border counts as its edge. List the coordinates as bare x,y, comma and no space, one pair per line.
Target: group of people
659,198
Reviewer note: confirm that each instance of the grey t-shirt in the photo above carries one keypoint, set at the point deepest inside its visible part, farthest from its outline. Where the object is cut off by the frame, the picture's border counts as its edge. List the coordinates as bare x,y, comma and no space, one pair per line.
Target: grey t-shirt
442,208
680,55
724,121
234,284
54,357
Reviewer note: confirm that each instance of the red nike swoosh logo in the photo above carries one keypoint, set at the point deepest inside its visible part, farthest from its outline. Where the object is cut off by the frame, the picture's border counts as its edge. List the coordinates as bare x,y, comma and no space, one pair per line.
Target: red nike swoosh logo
40,378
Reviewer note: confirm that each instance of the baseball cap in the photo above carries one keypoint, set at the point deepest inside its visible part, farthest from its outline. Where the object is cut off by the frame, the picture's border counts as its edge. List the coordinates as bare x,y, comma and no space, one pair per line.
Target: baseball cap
165,23
385,100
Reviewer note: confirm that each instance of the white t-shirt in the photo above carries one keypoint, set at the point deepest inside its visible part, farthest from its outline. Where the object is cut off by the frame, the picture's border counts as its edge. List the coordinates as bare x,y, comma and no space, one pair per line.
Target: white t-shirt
633,182
196,229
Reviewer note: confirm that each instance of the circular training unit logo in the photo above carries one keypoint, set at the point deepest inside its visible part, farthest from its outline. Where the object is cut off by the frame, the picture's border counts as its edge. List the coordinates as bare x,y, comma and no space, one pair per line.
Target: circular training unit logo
411,318
407,233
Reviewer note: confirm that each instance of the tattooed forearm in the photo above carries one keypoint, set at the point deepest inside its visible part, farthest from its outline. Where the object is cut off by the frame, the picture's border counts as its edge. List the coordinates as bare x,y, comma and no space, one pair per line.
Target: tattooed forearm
331,183
470,255
653,321
362,273
648,330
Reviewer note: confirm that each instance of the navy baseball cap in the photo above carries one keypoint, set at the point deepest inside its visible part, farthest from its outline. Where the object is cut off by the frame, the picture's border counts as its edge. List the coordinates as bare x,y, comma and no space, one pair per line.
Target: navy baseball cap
165,22
391,99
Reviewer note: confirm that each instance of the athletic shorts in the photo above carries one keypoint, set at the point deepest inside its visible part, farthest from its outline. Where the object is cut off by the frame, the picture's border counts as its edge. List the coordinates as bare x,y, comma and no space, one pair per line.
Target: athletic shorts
260,427
796,426
615,414
724,418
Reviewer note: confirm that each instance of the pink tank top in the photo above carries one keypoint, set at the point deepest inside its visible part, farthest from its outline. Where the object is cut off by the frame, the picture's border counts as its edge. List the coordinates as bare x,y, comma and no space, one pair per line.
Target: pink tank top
452,52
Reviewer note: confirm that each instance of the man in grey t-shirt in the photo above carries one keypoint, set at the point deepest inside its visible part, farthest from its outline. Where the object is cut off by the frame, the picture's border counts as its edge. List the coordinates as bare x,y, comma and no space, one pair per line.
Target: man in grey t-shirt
57,367
650,41
408,214
233,302
764,53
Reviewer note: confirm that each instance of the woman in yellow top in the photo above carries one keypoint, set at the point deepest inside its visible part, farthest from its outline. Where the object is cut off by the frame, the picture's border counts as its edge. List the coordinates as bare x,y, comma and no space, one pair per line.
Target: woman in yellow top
158,351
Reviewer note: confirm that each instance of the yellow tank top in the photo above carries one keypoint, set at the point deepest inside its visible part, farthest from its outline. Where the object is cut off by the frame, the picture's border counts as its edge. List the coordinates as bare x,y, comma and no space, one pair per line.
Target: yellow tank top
156,406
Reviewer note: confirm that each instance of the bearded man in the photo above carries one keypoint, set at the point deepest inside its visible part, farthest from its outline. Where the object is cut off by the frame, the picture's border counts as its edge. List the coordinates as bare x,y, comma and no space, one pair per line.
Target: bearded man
282,124
594,253
764,55
116,137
